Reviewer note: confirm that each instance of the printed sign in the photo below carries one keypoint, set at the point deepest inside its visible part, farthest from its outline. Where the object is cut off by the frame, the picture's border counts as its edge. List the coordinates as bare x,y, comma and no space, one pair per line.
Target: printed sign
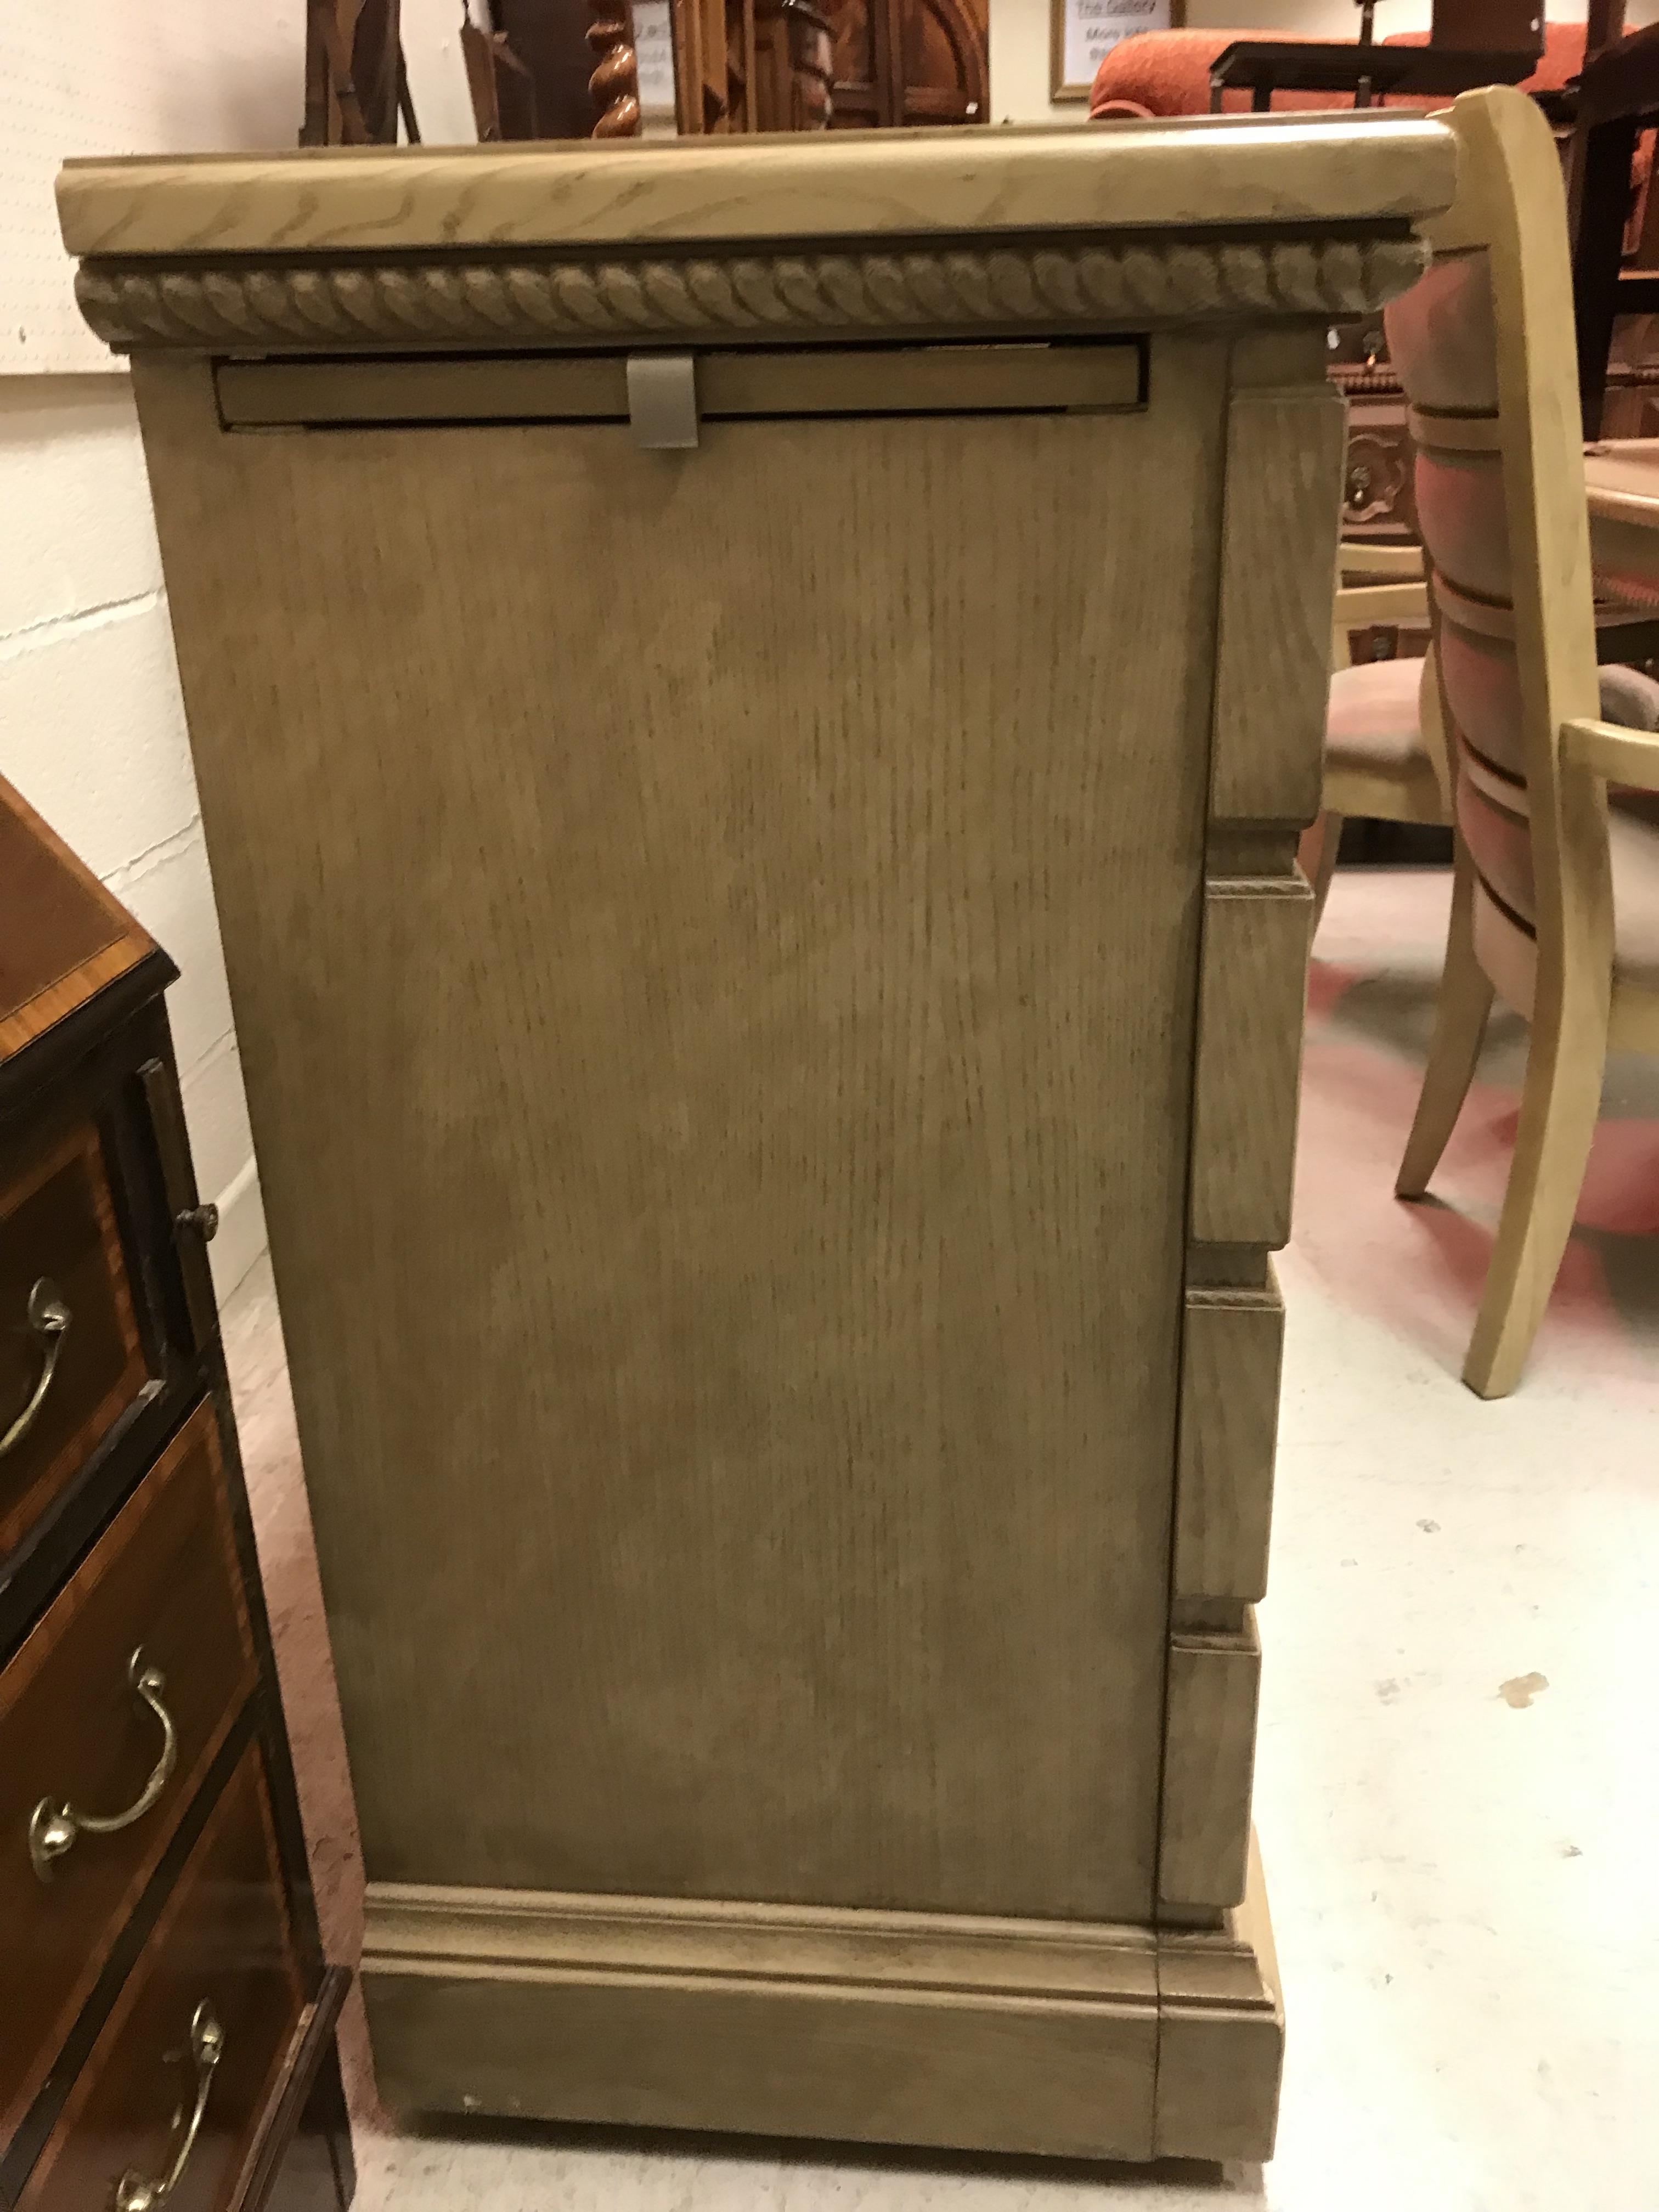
1085,31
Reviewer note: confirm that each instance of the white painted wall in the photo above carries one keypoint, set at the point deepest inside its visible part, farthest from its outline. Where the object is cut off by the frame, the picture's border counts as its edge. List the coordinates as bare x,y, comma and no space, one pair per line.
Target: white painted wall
92,730
91,726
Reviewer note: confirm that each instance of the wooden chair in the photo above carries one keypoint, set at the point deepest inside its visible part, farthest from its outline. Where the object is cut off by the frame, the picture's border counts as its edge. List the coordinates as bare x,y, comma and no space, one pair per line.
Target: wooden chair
1556,891
1385,759
356,87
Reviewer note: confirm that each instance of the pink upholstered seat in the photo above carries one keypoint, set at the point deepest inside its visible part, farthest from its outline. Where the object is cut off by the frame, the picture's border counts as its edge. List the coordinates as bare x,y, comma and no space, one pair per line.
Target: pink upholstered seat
1372,721
1373,728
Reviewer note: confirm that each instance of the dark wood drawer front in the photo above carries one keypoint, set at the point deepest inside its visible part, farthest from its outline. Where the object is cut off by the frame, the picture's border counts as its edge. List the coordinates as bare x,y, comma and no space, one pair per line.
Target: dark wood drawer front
74,1730
221,1959
60,1255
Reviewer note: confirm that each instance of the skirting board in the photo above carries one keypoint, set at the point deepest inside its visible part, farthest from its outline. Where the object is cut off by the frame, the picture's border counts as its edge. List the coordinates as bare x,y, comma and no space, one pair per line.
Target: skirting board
1064,2037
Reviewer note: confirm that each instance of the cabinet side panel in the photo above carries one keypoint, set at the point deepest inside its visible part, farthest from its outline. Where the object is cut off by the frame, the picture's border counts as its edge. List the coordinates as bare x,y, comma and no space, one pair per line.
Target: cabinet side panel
714,941
1278,565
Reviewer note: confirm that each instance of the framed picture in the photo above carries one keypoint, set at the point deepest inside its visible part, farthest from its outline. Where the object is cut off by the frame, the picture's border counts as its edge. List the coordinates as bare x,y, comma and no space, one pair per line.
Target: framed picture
653,50
1081,33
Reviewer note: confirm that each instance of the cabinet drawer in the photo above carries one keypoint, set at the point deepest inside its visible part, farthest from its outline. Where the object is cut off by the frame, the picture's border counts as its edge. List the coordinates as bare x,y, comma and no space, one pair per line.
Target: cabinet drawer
220,1959
163,1580
71,1360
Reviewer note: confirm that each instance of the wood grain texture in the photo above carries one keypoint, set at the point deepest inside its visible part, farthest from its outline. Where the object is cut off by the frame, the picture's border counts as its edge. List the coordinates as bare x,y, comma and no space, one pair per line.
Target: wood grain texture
772,1038
223,1937
58,1222
1210,1754
1039,2036
413,1927
1285,462
1303,171
292,2165
1249,1057
164,1577
1221,2035
873,2064
1229,1366
1059,285
1062,2037
68,937
1536,600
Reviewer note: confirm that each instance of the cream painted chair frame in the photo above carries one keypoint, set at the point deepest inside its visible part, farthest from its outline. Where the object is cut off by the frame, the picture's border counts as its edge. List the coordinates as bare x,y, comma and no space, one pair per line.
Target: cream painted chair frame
1510,202
1396,590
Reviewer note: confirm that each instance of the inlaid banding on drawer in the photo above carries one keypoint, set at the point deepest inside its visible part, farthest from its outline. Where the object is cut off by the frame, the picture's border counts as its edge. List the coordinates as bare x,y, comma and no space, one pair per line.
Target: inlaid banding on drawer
222,1957
65,1376
164,1579
1230,1372
1252,982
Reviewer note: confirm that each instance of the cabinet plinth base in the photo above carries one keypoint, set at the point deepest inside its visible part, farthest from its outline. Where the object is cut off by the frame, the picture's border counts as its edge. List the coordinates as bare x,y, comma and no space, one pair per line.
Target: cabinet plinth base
1057,2037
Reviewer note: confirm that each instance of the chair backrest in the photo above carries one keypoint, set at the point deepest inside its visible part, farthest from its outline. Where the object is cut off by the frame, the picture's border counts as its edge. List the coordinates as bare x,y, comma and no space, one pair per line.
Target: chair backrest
1484,348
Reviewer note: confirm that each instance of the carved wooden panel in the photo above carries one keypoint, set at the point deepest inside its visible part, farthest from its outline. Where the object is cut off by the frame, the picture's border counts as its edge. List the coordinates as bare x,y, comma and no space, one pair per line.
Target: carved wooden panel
901,62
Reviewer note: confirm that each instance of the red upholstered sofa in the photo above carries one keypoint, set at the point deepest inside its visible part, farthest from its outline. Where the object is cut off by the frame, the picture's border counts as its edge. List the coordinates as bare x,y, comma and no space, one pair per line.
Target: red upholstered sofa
1168,72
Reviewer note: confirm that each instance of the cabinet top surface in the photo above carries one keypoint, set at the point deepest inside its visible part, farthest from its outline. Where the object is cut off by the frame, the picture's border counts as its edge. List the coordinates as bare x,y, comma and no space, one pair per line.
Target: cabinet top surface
1241,174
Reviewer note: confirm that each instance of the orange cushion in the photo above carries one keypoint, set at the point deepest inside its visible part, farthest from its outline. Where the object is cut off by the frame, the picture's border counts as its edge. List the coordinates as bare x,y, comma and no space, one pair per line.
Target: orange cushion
1371,722
1168,72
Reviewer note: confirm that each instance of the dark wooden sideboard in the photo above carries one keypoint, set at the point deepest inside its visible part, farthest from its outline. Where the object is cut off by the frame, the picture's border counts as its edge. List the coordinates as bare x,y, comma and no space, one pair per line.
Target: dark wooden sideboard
166,2015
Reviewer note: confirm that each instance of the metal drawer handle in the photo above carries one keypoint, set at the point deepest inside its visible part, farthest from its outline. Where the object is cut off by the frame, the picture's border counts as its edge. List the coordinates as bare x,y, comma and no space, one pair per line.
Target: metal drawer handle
53,1828
133,2193
49,1319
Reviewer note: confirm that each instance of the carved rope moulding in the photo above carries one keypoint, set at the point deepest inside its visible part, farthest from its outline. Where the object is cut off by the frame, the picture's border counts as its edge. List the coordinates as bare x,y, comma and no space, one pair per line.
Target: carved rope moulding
407,303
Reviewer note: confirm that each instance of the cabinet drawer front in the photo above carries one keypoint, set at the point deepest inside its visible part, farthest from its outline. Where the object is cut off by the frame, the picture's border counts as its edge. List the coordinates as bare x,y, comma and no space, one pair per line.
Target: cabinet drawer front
221,1957
71,1360
162,1580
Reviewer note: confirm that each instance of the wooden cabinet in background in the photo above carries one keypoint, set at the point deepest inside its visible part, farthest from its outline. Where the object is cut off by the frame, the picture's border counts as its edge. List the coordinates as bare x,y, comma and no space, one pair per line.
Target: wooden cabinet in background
750,65
901,62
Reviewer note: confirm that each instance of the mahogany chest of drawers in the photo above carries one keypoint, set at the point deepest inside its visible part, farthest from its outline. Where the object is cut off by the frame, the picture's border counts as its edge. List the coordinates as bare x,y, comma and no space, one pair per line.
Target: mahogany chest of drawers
167,2017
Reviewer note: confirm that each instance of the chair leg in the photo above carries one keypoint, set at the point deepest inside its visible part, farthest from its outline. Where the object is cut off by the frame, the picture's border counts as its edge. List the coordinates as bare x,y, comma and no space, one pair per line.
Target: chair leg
1567,1058
1460,1007
1316,852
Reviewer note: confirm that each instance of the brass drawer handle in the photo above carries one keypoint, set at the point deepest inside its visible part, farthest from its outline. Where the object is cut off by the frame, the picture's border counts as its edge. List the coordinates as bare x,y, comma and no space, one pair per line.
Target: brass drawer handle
49,1319
53,1828
133,2193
